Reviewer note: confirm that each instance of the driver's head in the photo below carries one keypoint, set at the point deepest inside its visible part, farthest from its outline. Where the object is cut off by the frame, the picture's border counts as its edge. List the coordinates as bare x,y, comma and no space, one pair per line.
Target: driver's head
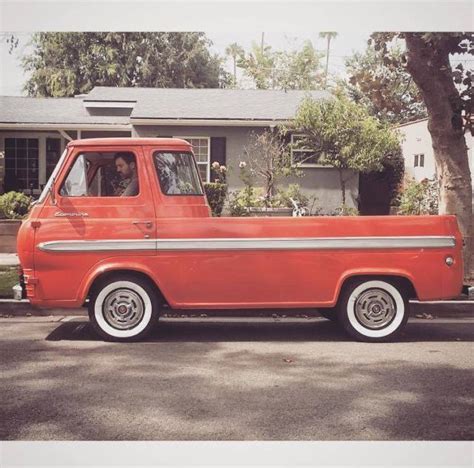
125,164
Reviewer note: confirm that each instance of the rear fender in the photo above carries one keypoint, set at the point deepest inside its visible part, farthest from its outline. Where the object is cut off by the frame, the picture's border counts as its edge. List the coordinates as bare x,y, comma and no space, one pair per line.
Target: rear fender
371,272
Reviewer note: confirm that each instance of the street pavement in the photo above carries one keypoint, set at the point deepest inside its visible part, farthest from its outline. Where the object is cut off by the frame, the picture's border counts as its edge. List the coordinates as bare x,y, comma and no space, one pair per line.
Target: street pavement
208,379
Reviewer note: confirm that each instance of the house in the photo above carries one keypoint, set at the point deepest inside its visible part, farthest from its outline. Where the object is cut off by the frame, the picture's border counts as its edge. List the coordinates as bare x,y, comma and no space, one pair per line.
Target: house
218,122
418,150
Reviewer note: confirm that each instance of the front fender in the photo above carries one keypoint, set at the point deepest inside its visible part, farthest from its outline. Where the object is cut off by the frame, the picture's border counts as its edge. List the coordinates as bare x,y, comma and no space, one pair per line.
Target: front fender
114,264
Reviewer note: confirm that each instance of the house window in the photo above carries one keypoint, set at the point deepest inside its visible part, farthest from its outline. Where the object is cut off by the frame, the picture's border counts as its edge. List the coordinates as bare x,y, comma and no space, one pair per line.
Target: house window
202,152
21,163
53,152
419,160
301,156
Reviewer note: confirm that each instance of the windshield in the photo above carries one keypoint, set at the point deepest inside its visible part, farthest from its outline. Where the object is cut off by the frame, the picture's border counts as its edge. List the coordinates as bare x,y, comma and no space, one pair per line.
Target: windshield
52,177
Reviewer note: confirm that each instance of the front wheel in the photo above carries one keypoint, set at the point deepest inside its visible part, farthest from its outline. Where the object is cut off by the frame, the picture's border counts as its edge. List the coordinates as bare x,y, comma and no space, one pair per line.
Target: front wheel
373,310
123,308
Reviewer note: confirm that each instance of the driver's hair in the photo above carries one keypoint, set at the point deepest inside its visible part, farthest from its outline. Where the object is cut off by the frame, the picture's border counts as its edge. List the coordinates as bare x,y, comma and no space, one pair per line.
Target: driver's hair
127,157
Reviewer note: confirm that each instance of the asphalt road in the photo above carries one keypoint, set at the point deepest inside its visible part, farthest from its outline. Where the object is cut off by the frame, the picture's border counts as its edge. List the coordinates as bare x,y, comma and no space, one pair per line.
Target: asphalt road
208,380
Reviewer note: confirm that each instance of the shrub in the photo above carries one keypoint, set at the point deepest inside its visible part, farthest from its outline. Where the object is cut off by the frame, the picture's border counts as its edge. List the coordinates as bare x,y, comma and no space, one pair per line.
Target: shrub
14,205
215,193
419,198
344,210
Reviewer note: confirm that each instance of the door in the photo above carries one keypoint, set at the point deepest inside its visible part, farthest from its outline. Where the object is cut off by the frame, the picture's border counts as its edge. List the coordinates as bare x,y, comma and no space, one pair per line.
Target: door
103,210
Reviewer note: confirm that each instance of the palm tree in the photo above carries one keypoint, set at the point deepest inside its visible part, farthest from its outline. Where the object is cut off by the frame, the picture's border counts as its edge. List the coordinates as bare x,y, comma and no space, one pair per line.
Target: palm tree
328,36
234,50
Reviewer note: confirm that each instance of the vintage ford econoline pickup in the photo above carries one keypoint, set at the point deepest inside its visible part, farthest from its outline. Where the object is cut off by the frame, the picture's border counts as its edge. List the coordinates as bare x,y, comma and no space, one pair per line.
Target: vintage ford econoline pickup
123,227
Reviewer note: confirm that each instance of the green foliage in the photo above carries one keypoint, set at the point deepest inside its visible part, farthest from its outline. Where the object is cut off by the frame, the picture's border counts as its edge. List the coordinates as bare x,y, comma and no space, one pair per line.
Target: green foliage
439,46
216,194
343,135
280,69
284,197
344,210
266,160
254,197
69,63
382,84
393,172
419,198
235,51
14,205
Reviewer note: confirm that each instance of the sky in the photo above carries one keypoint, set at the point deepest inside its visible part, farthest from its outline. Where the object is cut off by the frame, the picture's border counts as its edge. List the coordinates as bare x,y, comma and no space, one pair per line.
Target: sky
12,77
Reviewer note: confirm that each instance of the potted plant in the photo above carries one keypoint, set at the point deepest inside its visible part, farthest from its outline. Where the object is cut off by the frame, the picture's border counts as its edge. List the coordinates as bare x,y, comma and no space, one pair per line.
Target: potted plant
266,159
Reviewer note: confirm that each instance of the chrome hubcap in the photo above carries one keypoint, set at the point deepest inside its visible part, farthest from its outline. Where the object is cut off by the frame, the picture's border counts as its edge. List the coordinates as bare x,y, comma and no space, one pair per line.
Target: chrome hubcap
123,309
375,309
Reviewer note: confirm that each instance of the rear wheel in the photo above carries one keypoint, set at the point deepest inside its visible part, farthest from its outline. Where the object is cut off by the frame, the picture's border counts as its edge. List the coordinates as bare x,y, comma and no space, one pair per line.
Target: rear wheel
123,308
373,310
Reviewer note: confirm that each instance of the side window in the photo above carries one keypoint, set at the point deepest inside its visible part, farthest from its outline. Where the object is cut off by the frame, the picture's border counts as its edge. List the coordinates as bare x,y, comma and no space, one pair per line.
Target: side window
177,173
107,174
75,184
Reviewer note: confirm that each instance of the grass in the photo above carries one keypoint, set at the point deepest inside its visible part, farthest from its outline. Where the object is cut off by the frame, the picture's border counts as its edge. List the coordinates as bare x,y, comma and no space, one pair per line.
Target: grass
8,279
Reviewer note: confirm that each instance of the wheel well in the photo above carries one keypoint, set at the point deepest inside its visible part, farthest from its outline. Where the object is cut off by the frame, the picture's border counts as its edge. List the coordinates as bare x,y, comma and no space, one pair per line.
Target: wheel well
404,283
138,274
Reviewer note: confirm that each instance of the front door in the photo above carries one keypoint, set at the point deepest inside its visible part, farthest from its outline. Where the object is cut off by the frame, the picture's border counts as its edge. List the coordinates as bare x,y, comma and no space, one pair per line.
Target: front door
103,209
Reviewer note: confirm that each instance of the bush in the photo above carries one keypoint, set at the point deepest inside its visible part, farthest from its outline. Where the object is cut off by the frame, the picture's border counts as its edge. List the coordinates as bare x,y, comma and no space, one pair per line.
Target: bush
344,210
254,197
215,193
14,205
419,198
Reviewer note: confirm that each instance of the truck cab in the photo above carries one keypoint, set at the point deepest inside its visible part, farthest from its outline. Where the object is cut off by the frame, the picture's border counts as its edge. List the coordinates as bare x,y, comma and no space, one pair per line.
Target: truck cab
123,227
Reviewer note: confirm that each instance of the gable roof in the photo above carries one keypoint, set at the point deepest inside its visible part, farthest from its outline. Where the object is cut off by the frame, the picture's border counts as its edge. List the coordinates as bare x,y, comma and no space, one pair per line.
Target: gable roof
156,105
232,104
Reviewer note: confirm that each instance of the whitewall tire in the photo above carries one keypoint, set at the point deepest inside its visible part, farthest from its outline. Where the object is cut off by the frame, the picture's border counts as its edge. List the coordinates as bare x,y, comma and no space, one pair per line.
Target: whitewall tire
123,308
373,309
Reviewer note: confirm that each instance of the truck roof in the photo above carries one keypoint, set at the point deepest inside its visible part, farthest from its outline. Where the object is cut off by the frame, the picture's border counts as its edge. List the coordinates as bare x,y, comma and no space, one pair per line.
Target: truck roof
129,141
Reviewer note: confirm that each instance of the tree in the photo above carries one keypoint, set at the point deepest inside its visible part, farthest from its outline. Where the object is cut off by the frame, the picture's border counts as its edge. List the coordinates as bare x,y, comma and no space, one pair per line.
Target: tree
258,65
328,36
343,135
70,63
295,69
235,51
384,86
447,94
267,159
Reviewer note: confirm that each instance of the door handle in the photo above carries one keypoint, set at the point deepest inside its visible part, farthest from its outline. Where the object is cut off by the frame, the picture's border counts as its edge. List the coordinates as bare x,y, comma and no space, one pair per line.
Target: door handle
148,224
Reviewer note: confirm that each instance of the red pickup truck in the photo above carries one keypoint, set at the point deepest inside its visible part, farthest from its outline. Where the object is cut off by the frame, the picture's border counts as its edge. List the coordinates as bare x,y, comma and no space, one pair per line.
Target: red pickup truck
123,227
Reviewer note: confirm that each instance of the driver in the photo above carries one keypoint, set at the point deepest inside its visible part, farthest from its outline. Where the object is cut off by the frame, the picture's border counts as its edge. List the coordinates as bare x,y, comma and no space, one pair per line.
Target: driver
126,166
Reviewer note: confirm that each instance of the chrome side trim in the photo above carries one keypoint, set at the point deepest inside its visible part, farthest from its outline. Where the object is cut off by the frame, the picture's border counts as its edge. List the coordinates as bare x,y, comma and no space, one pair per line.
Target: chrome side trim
97,245
269,243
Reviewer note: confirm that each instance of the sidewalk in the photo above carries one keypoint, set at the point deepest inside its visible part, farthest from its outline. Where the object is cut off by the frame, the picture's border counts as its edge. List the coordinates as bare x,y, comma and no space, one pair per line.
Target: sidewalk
9,259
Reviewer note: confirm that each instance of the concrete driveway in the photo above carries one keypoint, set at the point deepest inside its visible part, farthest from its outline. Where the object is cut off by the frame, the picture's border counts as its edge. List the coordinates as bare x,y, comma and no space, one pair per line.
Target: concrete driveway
212,380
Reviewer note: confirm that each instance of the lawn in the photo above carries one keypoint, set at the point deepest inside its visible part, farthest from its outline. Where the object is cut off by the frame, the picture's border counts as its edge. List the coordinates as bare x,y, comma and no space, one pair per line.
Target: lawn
8,279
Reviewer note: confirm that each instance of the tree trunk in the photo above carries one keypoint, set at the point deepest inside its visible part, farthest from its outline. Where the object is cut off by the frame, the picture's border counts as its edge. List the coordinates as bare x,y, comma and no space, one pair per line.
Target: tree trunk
430,68
343,187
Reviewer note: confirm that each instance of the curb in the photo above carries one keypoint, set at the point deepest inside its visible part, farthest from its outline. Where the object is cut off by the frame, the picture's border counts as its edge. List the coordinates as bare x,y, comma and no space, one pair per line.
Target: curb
445,309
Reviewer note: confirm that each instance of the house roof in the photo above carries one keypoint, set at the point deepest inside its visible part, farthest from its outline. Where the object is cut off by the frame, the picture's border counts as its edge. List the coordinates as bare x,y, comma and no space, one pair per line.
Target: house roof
51,111
156,104
232,104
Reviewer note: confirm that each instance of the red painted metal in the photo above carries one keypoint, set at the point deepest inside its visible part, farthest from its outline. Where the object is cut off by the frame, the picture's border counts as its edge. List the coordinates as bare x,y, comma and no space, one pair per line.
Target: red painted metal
218,279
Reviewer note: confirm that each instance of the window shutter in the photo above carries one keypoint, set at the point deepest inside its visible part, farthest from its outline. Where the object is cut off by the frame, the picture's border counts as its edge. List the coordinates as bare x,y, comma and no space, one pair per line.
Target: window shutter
218,150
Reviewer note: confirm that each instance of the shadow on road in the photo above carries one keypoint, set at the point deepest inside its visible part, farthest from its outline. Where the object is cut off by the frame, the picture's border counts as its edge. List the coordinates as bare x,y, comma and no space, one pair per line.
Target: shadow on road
416,331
